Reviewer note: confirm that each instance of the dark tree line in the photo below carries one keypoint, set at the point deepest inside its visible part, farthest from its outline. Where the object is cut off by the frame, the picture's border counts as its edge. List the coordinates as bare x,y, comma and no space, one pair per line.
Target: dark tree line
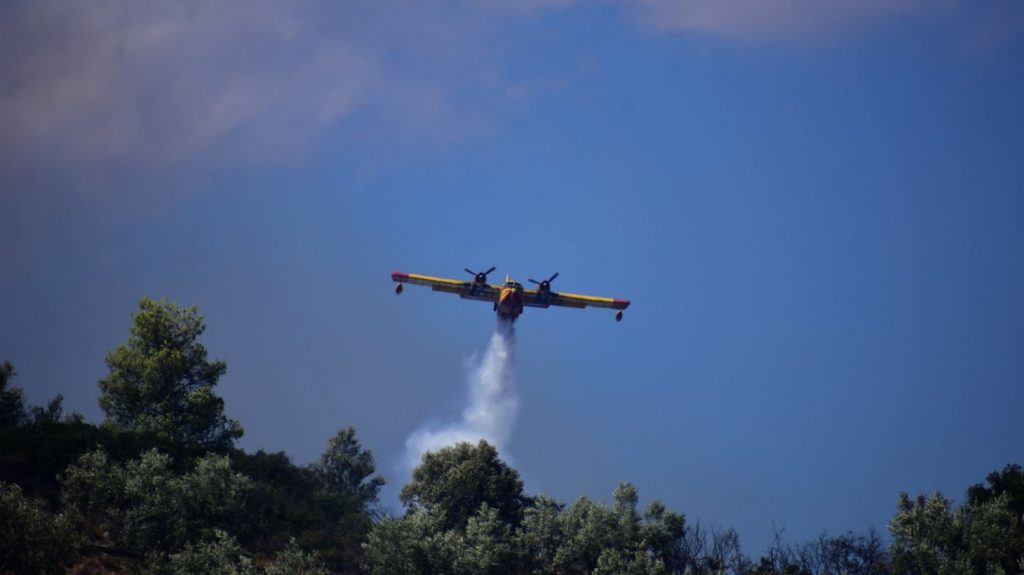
160,487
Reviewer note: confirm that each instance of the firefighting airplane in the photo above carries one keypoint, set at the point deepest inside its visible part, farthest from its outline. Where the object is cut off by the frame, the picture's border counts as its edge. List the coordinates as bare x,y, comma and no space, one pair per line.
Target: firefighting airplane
509,299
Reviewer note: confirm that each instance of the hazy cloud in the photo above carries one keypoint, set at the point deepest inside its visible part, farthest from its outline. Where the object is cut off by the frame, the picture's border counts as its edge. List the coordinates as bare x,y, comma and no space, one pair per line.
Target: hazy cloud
126,82
133,103
110,108
158,82
122,82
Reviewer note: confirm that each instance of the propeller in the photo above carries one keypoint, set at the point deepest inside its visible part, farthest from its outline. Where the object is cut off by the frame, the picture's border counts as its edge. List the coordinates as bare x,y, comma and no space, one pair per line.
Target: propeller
479,277
545,286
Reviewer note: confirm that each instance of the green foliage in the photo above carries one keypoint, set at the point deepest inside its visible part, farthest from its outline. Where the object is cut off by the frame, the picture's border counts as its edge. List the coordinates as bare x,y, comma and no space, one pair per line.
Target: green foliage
42,445
418,544
328,507
1009,483
392,547
195,504
414,544
588,528
218,555
213,496
161,384
540,537
293,561
661,534
95,489
33,540
984,535
144,505
924,534
619,562
341,502
12,399
488,546
37,443
992,538
53,413
458,480
599,539
282,504
345,470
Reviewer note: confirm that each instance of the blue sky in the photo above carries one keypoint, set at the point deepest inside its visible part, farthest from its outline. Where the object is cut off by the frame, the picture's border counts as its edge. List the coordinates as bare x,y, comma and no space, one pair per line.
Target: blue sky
815,208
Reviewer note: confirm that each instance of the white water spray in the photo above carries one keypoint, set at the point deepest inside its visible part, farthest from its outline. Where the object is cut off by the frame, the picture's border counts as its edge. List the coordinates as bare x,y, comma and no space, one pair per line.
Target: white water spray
493,403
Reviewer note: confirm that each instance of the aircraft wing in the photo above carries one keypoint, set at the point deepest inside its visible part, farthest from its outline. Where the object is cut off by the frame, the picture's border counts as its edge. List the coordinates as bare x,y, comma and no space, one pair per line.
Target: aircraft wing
534,298
463,289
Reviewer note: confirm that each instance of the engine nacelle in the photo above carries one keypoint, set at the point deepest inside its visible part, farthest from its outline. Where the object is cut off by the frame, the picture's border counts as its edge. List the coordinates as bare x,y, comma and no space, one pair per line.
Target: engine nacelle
398,289
618,315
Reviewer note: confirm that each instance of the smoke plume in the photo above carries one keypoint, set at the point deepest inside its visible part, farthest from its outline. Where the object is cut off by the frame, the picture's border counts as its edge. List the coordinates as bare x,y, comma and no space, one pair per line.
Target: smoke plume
492,403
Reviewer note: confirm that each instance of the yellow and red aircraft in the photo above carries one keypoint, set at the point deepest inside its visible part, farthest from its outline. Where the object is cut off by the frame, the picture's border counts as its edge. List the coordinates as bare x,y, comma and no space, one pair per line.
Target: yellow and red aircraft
509,299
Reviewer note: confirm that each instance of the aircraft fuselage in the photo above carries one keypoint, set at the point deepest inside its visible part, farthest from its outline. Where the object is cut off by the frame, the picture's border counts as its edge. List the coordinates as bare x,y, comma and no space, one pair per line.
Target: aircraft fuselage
510,301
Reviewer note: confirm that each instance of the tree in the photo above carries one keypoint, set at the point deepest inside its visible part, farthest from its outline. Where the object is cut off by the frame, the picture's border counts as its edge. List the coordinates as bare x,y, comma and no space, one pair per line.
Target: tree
588,529
213,495
487,547
442,531
293,561
161,383
983,535
416,544
144,506
218,555
630,554
991,537
599,539
53,413
540,535
38,442
95,489
343,500
31,539
725,554
662,535
282,503
345,468
924,535
12,400
458,480
1009,481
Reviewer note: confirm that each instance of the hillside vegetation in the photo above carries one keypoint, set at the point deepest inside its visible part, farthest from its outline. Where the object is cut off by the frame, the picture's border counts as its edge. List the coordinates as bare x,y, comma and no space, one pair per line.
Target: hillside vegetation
159,487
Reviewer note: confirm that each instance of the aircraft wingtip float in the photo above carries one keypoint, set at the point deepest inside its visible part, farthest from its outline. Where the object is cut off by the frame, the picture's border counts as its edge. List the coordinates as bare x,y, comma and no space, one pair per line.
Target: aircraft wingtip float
510,297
